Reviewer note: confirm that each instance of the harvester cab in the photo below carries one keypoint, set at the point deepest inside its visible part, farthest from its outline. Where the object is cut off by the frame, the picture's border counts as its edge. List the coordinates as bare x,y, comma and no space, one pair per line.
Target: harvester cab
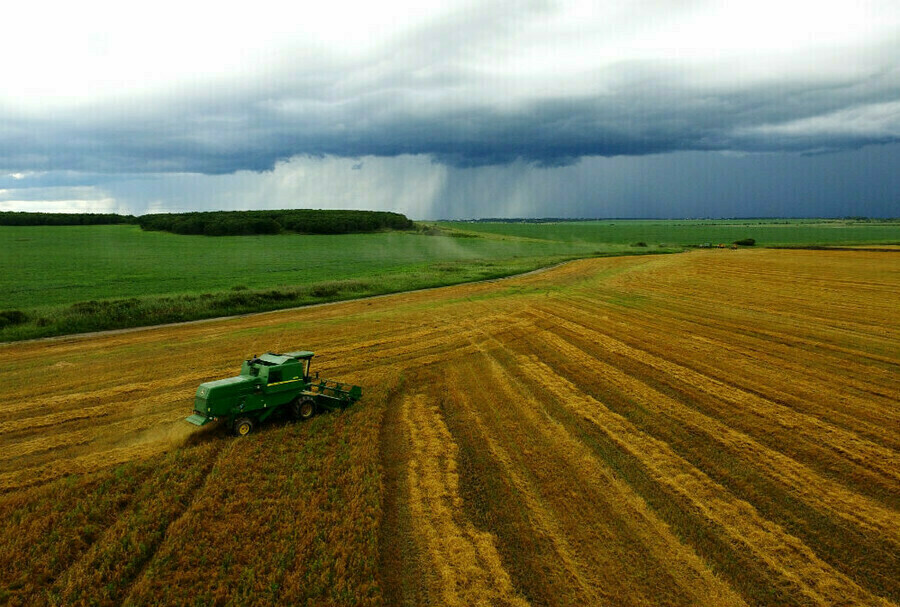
267,385
272,368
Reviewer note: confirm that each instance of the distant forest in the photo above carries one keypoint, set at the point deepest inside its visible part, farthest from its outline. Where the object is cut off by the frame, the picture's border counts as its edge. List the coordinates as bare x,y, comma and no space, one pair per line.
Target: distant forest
230,223
304,221
21,218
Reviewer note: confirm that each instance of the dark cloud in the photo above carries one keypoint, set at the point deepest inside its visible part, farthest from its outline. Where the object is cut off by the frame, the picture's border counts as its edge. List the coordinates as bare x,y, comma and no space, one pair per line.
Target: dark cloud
861,182
677,184
419,96
548,133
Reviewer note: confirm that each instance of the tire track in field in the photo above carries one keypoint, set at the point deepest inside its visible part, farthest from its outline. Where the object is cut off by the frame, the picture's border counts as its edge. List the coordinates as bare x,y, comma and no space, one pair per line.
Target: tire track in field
579,588
116,559
716,288
821,492
727,337
468,570
596,522
801,503
663,318
789,557
767,326
782,381
222,451
870,459
400,564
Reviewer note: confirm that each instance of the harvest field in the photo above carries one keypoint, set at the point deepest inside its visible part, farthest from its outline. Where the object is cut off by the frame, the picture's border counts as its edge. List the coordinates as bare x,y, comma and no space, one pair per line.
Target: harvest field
717,427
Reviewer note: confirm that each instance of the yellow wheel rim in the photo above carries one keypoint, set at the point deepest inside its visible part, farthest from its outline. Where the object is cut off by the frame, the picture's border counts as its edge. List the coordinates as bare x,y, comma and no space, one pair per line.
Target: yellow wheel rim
243,429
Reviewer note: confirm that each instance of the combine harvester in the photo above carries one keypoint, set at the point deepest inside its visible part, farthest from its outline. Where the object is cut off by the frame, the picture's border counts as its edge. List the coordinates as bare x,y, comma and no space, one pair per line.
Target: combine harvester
269,384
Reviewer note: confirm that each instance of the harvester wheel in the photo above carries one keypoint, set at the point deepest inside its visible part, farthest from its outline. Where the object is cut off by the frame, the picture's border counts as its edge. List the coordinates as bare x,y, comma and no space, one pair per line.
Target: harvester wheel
243,426
304,408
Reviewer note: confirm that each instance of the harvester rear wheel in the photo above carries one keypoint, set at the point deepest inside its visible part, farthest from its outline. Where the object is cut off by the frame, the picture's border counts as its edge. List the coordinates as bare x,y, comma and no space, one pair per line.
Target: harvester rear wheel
243,426
303,408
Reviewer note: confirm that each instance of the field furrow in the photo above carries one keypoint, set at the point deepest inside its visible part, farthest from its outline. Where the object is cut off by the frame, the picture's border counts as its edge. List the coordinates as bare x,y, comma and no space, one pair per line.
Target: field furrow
466,567
581,487
880,465
789,558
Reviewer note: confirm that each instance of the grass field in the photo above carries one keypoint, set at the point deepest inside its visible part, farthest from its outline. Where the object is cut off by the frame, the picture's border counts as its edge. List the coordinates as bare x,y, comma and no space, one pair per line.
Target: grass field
72,279
716,428
766,232
67,264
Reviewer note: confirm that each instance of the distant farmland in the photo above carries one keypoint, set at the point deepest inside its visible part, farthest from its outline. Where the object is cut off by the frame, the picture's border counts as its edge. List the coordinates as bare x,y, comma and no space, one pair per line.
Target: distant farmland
85,278
685,232
715,428
71,279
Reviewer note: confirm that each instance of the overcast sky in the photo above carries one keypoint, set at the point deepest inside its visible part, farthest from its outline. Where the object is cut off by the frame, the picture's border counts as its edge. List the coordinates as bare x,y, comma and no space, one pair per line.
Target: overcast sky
646,108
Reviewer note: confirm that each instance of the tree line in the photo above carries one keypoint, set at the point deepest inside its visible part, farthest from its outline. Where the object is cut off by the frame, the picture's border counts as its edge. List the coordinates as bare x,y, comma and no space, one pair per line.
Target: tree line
229,223
23,218
303,221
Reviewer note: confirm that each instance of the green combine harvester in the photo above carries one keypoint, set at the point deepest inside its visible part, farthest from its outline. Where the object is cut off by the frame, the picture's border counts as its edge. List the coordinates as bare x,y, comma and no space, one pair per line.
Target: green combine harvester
268,385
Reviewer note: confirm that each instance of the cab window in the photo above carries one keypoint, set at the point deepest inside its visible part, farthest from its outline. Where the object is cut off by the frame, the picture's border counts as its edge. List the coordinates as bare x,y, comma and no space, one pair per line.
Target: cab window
274,376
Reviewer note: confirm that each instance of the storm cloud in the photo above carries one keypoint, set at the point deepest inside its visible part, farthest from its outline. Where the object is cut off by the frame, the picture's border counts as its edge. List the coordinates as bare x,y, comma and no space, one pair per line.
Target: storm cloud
539,85
439,90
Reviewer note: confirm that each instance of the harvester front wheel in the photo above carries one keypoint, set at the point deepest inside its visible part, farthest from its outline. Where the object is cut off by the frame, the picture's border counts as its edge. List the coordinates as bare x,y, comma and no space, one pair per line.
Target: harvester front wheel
243,426
304,408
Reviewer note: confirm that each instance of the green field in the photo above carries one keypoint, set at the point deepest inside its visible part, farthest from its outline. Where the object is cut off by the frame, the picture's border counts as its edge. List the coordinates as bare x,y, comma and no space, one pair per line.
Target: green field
69,279
55,265
766,232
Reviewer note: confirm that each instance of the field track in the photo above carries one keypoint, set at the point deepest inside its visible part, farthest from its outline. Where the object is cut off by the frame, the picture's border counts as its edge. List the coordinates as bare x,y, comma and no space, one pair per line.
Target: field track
719,427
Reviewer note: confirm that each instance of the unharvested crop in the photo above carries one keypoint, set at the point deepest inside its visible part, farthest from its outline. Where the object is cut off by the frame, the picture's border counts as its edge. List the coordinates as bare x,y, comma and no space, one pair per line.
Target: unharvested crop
718,428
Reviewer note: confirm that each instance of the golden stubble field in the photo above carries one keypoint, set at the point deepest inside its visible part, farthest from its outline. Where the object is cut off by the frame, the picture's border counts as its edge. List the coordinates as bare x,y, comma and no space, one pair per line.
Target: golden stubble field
718,428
